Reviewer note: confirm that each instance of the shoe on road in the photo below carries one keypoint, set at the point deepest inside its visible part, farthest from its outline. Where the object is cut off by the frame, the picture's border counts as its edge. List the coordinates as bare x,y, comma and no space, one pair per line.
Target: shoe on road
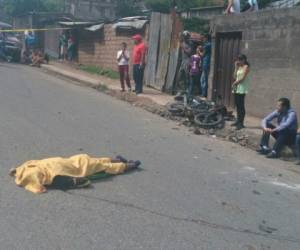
132,165
239,127
272,155
263,151
234,124
121,158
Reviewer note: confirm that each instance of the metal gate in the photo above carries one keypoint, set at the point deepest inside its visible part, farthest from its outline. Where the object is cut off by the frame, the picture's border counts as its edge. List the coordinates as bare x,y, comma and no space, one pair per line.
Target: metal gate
227,51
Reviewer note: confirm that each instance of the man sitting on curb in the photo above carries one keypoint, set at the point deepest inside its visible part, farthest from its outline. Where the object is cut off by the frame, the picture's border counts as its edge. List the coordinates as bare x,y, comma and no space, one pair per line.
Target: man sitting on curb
65,173
285,132
298,147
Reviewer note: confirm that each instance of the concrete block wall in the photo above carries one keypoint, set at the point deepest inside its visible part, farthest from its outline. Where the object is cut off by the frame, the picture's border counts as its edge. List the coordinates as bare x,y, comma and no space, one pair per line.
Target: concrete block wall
271,40
100,48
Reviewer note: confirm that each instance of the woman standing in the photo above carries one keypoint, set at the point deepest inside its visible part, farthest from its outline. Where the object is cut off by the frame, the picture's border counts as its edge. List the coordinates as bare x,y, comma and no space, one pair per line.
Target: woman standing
240,89
195,67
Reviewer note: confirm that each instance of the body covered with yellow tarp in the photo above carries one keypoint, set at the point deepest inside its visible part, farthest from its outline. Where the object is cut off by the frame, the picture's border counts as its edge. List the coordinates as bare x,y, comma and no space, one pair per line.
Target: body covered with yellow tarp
35,175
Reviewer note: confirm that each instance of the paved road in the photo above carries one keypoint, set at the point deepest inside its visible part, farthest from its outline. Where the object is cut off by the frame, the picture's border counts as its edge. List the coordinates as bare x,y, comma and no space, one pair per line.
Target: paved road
193,192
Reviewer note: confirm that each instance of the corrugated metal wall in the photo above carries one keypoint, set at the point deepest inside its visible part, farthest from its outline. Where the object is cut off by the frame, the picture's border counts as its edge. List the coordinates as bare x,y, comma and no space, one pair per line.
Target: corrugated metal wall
163,51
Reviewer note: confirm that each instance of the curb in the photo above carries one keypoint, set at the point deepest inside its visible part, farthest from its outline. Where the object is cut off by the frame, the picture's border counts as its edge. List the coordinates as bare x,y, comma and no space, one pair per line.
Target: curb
72,78
227,134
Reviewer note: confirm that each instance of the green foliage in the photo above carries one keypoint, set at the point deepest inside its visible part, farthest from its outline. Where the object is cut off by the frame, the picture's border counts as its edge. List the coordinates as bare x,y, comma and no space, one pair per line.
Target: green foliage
126,8
158,5
95,70
54,5
165,5
17,7
264,3
196,24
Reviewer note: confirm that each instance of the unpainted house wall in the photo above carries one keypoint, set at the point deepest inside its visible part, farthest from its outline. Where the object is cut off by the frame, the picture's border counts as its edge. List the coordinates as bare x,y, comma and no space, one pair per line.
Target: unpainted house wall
51,42
271,40
203,13
92,9
100,47
23,22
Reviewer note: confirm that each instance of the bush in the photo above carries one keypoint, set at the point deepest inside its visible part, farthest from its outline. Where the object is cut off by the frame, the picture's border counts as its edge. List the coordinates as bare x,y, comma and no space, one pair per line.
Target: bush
196,24
95,70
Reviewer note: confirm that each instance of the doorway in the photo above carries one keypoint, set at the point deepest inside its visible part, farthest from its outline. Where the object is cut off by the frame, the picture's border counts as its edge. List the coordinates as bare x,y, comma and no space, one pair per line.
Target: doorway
227,51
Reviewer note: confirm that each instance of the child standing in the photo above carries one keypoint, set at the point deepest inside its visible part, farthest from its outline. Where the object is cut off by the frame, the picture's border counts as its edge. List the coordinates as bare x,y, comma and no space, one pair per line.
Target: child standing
123,63
195,70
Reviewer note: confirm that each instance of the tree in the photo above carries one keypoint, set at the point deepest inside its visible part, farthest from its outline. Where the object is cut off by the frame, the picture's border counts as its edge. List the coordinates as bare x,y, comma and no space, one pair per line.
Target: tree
166,5
127,8
17,7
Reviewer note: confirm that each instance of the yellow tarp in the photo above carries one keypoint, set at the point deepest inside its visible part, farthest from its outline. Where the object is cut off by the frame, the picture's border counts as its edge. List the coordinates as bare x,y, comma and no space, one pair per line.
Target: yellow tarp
35,175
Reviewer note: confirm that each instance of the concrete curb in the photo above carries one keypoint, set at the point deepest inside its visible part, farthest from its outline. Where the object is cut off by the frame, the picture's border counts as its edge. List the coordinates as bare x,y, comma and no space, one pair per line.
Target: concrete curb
249,140
92,83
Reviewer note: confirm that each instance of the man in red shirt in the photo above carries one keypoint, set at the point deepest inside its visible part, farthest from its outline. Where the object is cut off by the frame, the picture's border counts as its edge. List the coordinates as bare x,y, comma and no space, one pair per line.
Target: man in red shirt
139,59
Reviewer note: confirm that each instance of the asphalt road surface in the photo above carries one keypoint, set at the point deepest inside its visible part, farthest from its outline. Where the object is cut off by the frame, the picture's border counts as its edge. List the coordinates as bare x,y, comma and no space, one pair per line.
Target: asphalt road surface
193,192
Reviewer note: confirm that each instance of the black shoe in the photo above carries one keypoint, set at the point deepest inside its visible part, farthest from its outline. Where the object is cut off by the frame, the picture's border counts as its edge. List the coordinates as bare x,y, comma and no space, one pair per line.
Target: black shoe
272,155
263,151
132,165
239,127
234,124
121,159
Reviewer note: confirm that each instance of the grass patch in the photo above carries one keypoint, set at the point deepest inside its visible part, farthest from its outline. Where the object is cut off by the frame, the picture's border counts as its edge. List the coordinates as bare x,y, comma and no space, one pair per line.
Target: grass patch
95,70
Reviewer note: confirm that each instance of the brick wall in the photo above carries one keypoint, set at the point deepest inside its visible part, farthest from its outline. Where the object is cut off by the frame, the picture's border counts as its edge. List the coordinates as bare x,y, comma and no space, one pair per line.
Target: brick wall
100,48
271,40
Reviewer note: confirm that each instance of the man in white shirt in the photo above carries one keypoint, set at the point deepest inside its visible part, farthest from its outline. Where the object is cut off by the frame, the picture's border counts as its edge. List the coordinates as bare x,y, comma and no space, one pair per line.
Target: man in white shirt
233,7
123,58
251,6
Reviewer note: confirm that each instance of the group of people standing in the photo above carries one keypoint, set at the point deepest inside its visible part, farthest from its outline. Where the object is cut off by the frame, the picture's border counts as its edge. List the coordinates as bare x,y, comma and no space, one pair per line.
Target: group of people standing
32,54
138,61
195,67
67,46
196,70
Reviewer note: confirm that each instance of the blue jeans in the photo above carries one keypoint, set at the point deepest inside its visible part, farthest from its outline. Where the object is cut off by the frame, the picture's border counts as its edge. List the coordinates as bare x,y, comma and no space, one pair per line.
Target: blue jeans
283,137
204,82
194,80
138,76
298,145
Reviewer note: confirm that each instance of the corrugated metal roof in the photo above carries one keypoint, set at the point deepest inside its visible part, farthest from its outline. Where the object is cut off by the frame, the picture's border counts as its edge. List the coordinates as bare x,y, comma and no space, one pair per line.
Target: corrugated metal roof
135,24
72,24
4,25
96,27
132,18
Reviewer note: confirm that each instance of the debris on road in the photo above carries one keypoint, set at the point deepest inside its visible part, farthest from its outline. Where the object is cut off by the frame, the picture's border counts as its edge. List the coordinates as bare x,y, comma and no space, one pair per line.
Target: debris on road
199,113
177,112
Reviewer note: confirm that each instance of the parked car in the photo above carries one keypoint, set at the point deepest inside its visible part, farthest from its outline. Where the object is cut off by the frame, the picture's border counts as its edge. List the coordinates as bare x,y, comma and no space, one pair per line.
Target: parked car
11,45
